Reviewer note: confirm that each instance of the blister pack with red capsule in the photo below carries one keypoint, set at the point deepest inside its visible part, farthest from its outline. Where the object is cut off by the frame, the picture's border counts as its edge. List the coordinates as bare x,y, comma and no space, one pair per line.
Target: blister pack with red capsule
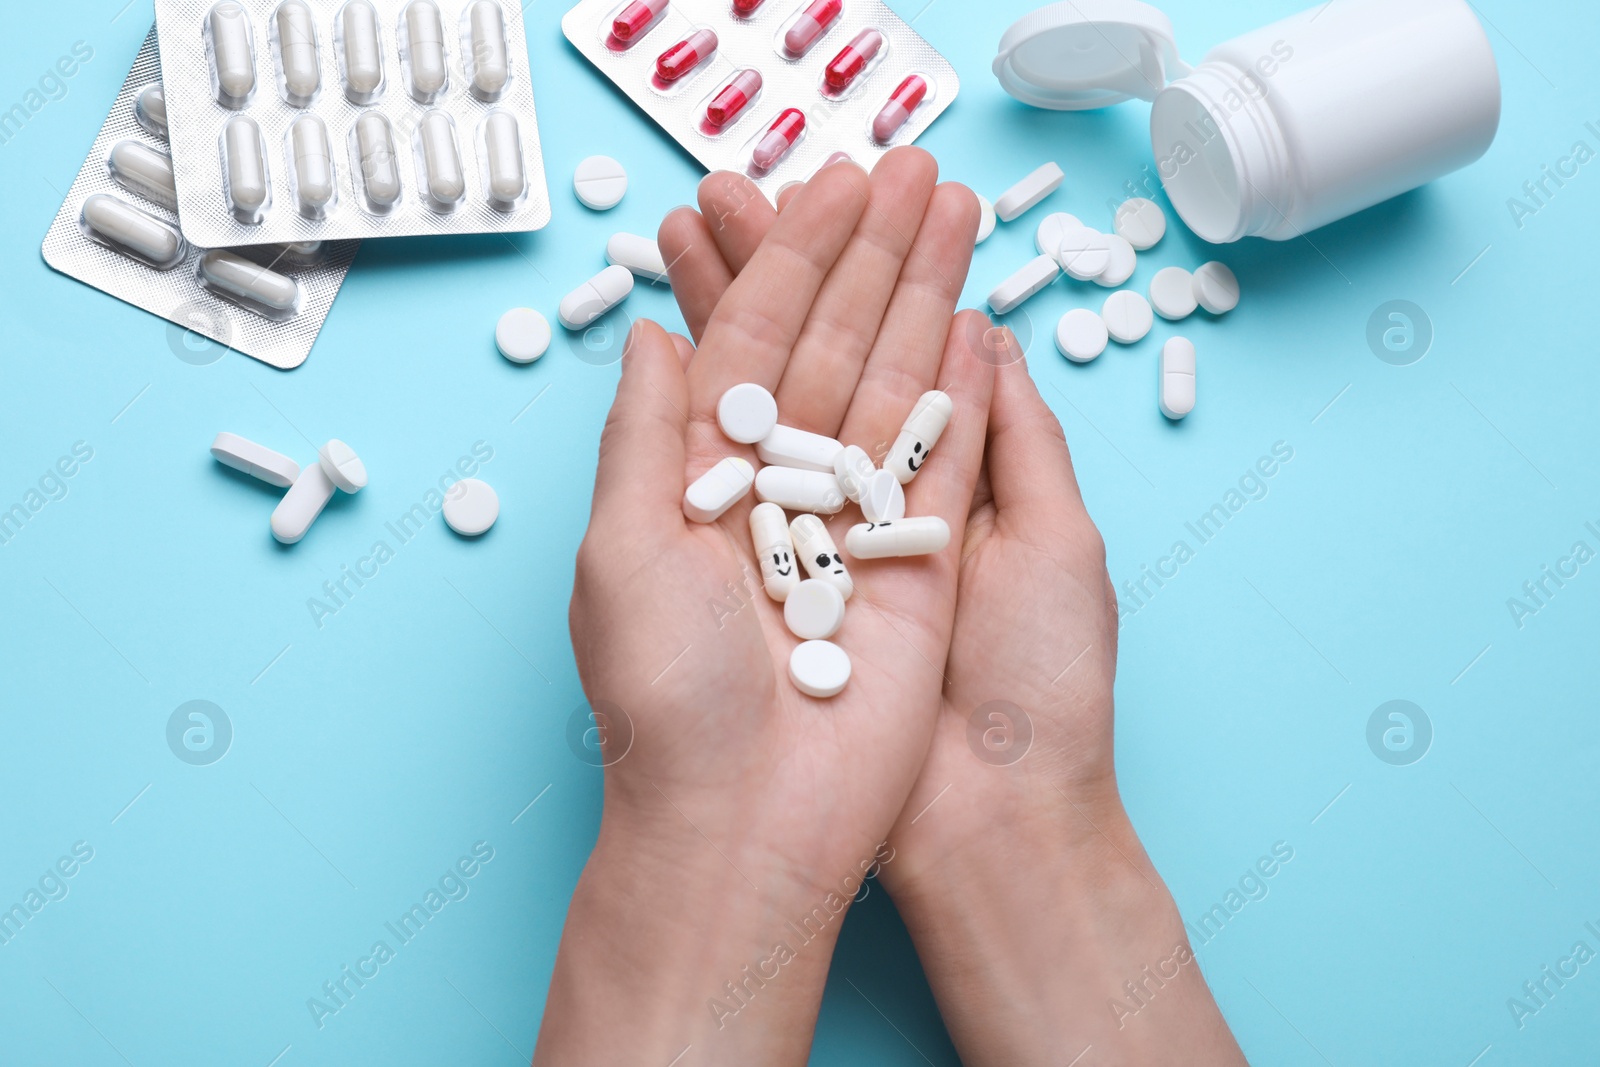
774,89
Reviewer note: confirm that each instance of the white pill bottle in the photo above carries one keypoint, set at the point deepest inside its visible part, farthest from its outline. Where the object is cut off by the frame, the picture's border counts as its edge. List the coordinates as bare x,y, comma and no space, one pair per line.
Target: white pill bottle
1286,128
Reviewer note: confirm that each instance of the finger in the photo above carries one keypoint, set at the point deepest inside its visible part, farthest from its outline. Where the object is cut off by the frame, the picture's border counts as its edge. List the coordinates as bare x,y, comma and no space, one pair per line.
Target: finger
685,349
695,266
786,195
738,215
641,471
1030,468
838,337
947,484
906,357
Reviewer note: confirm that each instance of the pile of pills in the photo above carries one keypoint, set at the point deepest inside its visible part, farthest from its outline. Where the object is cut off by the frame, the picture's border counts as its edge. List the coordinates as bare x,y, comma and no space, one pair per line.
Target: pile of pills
309,489
815,475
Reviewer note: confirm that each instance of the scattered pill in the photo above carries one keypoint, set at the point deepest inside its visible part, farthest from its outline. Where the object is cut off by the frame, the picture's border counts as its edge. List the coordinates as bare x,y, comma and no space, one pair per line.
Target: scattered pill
471,507
124,226
883,498
502,142
1028,192
769,533
641,255
491,68
1052,230
297,52
150,108
814,610
786,446
1141,222
1215,288
819,555
819,668
1124,261
425,37
718,489
363,54
897,111
921,431
1172,293
1085,253
380,171
853,467
246,166
1177,378
734,97
343,467
1034,275
906,537
779,139
810,26
144,170
686,55
986,218
595,297
258,461
313,165
1128,316
441,160
233,52
249,282
522,335
600,182
747,413
852,59
301,505
1081,335
794,489
636,18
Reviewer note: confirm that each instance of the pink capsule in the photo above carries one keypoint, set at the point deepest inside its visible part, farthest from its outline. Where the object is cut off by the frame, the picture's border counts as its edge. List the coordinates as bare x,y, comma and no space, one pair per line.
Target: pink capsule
852,59
809,26
779,138
686,55
902,102
636,17
733,97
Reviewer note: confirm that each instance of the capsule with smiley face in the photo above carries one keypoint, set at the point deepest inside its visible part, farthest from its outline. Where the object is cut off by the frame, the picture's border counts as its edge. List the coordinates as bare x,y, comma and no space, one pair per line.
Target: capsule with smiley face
919,434
769,532
815,547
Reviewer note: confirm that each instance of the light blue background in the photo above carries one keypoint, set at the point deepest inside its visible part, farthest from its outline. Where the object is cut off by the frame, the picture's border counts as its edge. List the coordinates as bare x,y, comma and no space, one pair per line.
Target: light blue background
425,716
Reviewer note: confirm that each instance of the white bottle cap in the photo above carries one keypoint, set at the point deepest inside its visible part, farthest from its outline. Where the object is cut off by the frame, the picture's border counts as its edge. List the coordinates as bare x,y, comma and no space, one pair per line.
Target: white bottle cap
1081,54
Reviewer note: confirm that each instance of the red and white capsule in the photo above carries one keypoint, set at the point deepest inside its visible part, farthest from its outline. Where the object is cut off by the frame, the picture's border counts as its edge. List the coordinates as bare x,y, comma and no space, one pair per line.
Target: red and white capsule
686,55
810,26
897,112
745,8
734,97
852,59
636,18
780,138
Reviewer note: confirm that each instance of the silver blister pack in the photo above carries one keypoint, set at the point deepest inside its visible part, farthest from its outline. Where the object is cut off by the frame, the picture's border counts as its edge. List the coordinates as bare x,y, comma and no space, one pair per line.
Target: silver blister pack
857,62
268,301
308,120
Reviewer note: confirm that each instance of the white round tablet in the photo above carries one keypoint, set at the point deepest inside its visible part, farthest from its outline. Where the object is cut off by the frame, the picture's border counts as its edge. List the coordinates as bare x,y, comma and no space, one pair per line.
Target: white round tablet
819,668
1142,222
1084,254
986,220
1052,228
1172,293
342,466
522,335
470,507
747,413
1127,316
600,182
1124,261
1215,288
1081,335
814,610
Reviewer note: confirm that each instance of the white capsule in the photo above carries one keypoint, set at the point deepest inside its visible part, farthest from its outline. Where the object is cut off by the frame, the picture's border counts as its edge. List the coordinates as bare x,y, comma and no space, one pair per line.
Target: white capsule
1177,392
883,498
814,610
718,489
125,227
819,555
249,282
595,297
919,434
258,461
786,446
363,53
489,66
1028,192
794,489
425,41
144,170
747,413
1034,275
853,467
302,504
151,110
380,169
297,52
246,166
639,254
907,537
769,533
819,668
502,142
313,165
441,160
233,52
343,467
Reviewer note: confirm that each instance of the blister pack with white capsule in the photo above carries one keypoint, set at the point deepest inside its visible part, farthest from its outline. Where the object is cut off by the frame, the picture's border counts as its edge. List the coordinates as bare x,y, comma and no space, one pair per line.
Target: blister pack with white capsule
305,120
118,232
774,89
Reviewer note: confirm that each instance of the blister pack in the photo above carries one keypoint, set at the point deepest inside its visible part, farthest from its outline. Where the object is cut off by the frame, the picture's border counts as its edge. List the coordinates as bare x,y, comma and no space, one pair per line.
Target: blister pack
306,120
118,232
771,88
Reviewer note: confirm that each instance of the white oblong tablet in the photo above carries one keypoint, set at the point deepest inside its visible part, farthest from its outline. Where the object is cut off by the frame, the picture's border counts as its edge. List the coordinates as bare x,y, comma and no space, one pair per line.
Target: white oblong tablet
313,165
814,610
425,49
1215,288
639,254
233,52
853,467
883,498
380,167
490,69
1085,253
1177,392
986,218
819,669
249,282
344,468
595,297
441,159
747,413
258,461
718,489
125,227
1028,192
470,507
769,533
1081,335
600,182
1124,261
363,54
502,142
819,555
302,504
1034,275
297,52
144,170
1141,222
1127,316
785,446
522,335
918,434
794,489
1050,232
150,108
1172,293
246,166
907,537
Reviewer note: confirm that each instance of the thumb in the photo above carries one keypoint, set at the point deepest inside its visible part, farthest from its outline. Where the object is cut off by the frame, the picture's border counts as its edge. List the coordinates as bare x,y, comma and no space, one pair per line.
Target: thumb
641,449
